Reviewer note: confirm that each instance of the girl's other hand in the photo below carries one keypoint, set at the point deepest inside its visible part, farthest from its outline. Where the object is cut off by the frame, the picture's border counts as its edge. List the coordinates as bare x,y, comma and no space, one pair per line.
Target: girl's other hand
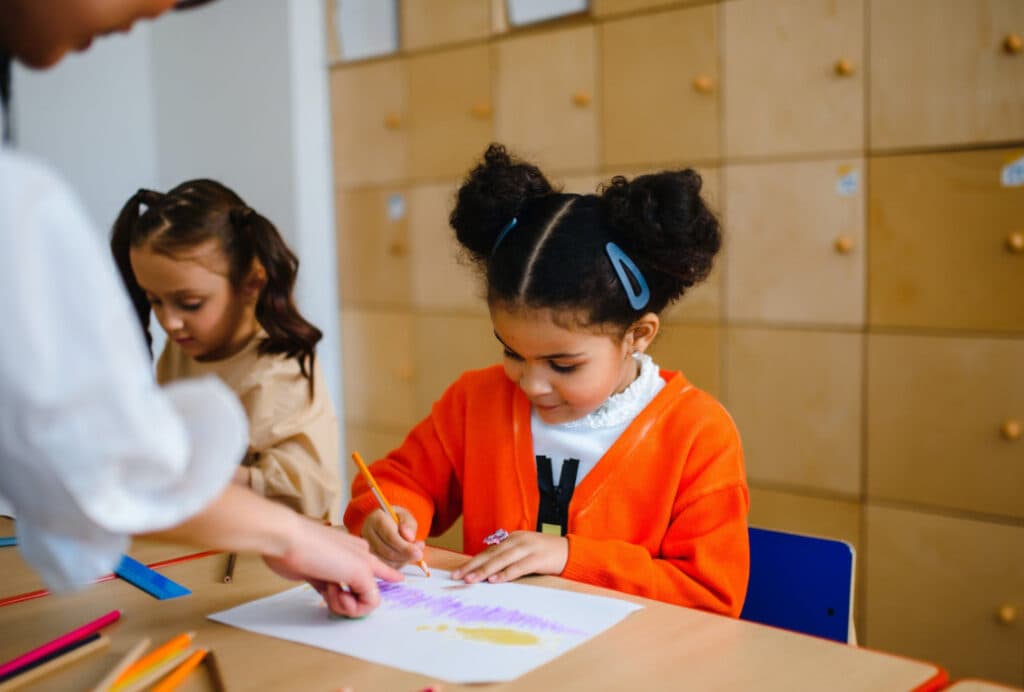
395,545
522,553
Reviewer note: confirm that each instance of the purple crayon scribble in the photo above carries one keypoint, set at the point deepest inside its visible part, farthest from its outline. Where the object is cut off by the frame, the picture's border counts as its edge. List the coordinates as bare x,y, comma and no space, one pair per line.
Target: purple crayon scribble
447,606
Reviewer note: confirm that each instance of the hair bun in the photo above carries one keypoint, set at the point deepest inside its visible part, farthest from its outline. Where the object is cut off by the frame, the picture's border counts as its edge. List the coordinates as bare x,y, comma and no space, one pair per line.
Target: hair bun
491,196
664,224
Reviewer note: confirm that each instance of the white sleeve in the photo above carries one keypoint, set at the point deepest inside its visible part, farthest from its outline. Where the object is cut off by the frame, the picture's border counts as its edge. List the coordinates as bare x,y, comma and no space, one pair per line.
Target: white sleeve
91,449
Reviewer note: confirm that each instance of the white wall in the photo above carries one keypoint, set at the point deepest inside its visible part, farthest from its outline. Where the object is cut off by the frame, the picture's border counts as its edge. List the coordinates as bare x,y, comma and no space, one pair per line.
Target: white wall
235,91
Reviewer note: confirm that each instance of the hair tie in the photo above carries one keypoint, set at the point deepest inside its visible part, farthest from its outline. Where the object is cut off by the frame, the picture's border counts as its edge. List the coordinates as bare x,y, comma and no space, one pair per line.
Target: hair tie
622,264
504,232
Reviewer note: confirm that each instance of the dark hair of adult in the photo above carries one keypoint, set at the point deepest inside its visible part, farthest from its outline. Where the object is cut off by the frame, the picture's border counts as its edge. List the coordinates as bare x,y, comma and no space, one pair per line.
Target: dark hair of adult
198,211
540,248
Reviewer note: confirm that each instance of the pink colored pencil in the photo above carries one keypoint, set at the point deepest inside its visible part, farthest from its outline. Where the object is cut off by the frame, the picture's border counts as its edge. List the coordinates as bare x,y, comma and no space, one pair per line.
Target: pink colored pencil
60,642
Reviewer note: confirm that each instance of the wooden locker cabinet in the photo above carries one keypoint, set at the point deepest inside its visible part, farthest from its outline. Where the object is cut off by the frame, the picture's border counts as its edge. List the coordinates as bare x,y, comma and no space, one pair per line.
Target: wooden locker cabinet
941,417
430,23
451,111
942,227
796,399
445,347
947,589
659,88
694,350
441,281
607,8
369,121
795,237
379,368
793,77
546,104
946,72
373,247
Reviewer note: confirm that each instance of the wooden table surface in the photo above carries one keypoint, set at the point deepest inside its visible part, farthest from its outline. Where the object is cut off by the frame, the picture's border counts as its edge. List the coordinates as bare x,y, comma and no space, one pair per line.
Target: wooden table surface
660,647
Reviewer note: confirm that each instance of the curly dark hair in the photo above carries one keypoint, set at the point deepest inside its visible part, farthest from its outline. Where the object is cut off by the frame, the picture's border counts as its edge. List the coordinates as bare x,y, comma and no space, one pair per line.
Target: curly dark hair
554,255
200,210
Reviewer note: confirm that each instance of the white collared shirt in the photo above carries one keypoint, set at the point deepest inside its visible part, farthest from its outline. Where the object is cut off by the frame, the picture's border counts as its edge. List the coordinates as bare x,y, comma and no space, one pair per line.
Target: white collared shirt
91,449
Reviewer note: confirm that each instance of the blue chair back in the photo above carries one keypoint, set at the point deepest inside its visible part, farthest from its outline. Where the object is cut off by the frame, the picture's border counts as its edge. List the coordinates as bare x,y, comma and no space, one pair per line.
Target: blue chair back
800,583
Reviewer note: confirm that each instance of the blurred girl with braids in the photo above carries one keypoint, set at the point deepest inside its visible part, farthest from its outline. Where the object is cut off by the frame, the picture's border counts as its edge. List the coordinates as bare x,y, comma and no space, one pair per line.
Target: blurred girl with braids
219,278
578,456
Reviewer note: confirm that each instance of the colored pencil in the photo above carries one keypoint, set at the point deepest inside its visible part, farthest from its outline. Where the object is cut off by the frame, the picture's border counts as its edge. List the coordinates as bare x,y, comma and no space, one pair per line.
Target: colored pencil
218,680
381,500
73,652
32,595
127,660
6,541
154,657
149,676
60,642
229,571
178,675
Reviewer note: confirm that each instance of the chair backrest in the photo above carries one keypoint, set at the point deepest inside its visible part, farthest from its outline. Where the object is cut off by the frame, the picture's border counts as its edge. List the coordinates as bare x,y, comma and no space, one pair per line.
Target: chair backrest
800,583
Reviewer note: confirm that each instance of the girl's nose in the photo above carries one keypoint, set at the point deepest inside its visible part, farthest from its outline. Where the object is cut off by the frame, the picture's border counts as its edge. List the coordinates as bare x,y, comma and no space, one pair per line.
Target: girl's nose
533,383
170,322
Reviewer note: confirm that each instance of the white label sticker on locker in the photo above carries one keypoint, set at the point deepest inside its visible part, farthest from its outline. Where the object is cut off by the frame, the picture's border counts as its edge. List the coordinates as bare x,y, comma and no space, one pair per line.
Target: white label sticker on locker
396,206
848,181
1013,173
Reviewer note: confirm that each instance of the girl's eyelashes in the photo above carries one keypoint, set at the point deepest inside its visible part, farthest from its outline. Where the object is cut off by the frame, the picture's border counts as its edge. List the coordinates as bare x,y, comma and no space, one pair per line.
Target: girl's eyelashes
563,368
511,354
191,307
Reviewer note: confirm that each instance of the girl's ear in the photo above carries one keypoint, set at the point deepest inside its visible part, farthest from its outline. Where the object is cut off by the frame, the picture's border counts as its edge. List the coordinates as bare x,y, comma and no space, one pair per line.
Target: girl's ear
255,281
642,332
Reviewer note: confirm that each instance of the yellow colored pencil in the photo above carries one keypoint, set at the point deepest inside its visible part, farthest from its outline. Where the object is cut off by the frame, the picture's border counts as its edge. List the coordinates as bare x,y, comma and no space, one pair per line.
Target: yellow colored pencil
127,660
381,500
149,676
155,657
178,675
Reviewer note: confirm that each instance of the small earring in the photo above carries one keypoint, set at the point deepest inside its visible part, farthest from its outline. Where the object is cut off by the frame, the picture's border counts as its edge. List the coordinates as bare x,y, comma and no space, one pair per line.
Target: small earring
636,355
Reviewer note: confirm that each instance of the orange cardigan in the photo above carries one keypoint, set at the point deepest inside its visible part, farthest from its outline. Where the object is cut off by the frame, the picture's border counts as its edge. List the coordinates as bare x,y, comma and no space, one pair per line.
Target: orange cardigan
662,515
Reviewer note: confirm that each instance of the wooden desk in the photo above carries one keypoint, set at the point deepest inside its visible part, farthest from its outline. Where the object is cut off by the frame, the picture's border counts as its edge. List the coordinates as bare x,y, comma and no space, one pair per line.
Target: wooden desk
976,685
660,647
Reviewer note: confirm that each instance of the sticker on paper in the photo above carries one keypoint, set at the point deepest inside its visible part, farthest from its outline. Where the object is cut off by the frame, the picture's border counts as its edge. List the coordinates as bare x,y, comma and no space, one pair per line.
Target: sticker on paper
848,181
1013,173
396,206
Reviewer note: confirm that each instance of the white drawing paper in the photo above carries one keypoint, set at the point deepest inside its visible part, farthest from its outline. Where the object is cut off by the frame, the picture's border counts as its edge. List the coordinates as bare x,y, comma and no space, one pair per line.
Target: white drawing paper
439,627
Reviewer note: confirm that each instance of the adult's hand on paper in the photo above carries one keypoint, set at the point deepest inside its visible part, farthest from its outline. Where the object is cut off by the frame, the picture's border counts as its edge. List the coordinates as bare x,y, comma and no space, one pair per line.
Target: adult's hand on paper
395,544
338,565
522,553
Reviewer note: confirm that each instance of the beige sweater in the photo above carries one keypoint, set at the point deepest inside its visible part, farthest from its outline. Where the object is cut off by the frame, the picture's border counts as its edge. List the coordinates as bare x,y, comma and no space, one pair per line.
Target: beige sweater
293,440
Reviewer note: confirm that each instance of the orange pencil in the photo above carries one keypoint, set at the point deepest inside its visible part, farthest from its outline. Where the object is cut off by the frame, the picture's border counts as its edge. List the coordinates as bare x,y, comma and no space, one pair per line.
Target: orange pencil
381,500
172,681
155,657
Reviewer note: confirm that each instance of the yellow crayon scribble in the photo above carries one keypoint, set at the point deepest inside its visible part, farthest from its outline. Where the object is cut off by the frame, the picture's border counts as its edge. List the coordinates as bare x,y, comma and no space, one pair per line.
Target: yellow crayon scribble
498,635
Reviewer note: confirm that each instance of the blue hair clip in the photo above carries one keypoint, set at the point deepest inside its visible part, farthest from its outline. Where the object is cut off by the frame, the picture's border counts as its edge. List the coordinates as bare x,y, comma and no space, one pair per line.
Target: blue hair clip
622,264
504,232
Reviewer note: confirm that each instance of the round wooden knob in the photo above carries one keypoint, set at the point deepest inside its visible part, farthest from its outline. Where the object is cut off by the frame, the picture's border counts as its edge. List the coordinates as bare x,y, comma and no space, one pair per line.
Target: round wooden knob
398,248
482,110
1015,241
1012,44
844,245
1011,429
703,84
844,68
582,98
392,121
404,372
1006,614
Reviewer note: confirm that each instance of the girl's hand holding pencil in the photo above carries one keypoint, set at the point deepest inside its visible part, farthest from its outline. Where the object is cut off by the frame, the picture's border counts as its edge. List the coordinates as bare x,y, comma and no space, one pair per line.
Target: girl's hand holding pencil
395,544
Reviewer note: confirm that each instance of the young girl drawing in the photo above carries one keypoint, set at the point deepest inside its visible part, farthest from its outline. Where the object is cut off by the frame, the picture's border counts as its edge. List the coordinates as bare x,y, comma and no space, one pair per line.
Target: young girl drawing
597,465
219,278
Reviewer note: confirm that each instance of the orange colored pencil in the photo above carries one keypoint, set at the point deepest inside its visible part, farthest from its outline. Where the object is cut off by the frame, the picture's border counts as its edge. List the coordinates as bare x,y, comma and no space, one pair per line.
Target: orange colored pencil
381,500
178,675
155,657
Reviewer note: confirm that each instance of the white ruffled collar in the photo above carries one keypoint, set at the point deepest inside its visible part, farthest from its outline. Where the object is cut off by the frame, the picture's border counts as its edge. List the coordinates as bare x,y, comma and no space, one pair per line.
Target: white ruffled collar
623,407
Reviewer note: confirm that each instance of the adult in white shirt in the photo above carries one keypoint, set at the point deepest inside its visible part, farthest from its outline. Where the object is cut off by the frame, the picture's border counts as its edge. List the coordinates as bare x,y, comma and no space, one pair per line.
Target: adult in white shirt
91,450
